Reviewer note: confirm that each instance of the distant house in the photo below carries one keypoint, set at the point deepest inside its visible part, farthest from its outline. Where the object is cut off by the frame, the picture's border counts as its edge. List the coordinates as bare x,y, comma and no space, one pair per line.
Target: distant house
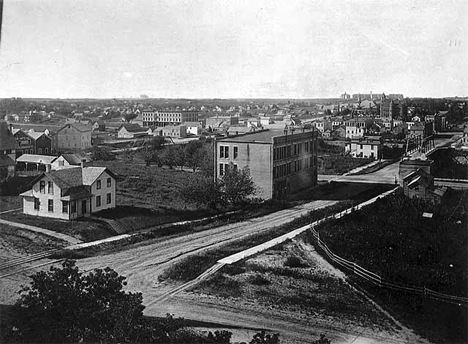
175,131
323,125
138,120
99,125
420,184
70,193
8,147
24,142
41,143
220,121
193,128
72,159
338,133
364,148
326,134
235,130
73,137
35,162
130,131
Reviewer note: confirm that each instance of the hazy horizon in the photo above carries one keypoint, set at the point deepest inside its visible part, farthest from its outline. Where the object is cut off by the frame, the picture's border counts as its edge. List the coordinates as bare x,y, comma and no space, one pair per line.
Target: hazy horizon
208,49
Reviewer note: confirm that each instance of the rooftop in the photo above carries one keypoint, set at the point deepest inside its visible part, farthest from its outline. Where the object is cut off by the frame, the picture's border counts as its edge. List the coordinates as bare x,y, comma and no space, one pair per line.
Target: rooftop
265,136
36,159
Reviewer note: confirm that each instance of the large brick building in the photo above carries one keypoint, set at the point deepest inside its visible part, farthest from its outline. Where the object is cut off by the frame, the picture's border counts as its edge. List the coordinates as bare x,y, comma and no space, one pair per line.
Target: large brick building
280,162
163,118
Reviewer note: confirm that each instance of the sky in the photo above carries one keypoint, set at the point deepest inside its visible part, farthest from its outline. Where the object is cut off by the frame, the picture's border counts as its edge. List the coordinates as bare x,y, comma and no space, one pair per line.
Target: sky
233,49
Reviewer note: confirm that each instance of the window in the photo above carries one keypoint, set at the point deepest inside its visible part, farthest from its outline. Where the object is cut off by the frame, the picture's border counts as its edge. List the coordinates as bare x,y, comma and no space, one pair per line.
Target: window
61,163
224,152
40,150
221,169
109,182
98,184
372,147
42,186
46,150
50,188
360,146
234,166
236,152
37,203
65,207
98,201
73,207
50,205
109,198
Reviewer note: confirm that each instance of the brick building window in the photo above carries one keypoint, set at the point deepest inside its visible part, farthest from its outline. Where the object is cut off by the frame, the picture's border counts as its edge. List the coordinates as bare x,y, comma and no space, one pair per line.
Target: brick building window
224,152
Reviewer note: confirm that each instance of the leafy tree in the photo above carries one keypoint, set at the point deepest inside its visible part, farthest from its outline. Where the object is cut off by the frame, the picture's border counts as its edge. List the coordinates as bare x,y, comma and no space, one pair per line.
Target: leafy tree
129,116
35,117
203,191
237,184
65,305
221,337
98,153
263,338
322,340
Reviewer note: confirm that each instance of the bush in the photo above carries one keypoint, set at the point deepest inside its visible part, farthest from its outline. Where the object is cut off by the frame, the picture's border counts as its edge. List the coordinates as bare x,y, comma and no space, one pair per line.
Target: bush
258,279
294,262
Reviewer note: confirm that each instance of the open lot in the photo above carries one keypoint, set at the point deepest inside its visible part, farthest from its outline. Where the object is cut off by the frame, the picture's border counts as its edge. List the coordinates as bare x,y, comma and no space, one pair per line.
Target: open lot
291,290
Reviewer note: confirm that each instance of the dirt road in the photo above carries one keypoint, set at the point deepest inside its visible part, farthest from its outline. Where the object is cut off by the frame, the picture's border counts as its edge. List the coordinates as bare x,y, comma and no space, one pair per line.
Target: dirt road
143,263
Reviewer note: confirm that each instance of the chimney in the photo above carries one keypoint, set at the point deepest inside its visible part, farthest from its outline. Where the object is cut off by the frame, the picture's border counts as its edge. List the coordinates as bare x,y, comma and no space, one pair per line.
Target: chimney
47,167
83,163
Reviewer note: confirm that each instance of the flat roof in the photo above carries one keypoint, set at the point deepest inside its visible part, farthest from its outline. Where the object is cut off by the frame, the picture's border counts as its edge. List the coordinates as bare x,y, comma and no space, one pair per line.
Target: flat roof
265,136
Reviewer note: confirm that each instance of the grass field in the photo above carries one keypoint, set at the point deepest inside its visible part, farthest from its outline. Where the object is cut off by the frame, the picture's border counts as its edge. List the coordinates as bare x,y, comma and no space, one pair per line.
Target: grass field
148,186
83,228
393,239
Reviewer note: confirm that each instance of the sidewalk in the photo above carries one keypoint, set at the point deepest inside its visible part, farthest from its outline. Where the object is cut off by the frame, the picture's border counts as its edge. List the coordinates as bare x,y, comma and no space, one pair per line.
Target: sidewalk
64,237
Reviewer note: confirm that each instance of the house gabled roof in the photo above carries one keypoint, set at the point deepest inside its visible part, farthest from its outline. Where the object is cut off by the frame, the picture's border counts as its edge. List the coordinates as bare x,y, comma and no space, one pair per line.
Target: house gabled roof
132,128
76,158
78,126
35,135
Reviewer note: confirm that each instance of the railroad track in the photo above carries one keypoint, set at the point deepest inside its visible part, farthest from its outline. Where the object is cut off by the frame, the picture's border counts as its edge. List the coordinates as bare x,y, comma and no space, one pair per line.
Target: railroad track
18,262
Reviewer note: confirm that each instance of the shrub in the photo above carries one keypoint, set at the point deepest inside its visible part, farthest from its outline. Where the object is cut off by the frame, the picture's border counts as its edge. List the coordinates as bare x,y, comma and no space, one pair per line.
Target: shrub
294,262
259,279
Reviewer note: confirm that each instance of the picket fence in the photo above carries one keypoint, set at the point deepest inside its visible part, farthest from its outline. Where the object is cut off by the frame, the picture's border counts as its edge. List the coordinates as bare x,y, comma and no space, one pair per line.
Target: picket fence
379,281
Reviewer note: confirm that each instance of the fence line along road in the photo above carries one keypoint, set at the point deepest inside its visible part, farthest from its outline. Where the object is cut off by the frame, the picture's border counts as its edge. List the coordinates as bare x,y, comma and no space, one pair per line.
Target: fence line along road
377,280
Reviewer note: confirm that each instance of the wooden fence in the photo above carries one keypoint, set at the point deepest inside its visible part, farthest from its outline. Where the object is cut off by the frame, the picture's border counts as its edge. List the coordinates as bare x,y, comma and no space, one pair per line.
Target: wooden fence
377,280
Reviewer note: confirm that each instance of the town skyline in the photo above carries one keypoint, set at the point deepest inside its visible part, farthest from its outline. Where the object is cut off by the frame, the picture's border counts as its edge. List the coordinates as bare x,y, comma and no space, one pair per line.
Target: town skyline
205,50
